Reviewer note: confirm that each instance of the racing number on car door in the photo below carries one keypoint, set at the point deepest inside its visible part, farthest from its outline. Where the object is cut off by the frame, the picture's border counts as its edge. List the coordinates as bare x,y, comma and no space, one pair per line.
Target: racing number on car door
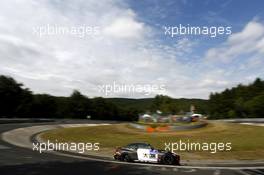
152,156
146,155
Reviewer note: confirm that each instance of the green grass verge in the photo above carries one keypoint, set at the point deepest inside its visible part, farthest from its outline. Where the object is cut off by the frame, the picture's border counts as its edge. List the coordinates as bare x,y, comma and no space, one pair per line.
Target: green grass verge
247,141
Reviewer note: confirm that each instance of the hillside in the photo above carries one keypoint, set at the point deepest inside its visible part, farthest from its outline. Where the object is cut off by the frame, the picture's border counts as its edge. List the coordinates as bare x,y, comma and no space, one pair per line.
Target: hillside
146,104
242,101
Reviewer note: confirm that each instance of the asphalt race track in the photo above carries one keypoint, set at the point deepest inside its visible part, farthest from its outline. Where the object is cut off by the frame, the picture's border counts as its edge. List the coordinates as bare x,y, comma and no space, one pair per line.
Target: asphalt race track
21,161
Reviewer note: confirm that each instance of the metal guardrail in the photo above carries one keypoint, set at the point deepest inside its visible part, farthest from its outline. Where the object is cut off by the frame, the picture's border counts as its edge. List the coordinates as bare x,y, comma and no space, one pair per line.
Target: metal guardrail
243,120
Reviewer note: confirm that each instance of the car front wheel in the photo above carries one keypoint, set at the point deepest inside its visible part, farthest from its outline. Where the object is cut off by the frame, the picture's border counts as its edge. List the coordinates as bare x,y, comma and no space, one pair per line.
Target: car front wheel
126,158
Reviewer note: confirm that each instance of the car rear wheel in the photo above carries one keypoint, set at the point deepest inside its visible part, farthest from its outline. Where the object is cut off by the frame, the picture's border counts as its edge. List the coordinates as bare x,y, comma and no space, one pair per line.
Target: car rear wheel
168,159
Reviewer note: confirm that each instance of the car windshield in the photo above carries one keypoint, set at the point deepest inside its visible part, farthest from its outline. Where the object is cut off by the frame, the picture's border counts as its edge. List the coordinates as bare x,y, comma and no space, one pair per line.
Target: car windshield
144,145
139,145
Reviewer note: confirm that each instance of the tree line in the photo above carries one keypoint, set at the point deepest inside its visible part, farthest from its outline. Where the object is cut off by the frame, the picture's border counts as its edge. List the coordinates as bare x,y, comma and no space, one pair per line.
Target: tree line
243,101
168,105
20,102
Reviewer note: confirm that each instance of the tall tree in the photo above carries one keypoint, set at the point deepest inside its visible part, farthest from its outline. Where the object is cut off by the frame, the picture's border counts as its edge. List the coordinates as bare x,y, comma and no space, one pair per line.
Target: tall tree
79,105
12,96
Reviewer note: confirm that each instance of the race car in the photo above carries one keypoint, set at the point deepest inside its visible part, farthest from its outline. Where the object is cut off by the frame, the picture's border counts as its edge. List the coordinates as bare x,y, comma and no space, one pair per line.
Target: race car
144,152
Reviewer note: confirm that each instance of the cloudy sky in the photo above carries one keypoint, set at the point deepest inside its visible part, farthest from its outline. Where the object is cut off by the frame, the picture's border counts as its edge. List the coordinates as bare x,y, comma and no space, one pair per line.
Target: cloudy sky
125,43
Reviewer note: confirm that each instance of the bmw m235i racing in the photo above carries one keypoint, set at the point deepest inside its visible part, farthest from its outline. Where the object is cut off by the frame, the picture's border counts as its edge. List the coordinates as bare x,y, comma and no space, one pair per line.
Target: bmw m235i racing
143,152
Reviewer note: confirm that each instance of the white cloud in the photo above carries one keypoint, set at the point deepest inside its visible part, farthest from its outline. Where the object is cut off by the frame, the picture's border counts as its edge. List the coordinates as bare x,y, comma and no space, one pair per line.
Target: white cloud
260,45
249,40
125,28
239,59
57,64
124,52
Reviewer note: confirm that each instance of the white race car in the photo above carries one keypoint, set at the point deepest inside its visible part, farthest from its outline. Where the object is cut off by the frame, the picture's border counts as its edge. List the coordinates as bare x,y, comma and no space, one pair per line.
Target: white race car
143,152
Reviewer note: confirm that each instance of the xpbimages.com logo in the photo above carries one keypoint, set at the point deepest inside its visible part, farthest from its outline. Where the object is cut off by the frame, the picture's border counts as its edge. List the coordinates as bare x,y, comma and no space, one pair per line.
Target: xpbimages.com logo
65,146
212,147
212,31
145,89
80,31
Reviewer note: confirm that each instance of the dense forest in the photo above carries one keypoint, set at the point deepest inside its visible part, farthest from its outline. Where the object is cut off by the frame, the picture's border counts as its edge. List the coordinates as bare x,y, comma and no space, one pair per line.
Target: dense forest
243,101
18,101
162,103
